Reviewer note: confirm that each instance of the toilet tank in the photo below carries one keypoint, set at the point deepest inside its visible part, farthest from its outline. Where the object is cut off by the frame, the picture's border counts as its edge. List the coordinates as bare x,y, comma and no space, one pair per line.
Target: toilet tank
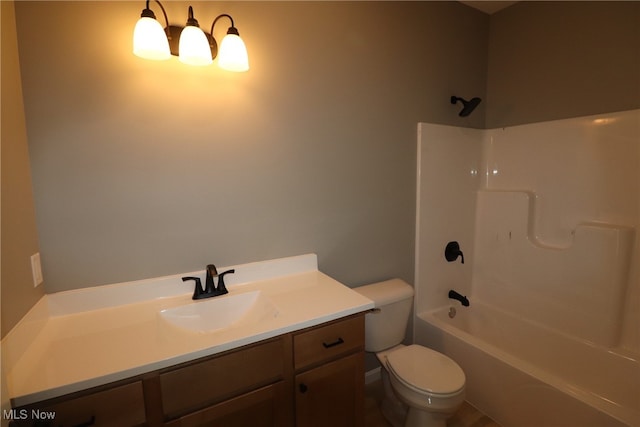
387,325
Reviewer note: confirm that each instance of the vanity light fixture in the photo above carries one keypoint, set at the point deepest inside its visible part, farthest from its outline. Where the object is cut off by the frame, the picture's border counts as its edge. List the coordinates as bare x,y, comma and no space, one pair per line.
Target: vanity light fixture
192,45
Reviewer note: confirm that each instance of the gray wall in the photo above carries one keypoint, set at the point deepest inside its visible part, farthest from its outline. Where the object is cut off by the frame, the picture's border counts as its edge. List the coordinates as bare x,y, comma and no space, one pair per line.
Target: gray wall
553,60
145,168
19,236
142,168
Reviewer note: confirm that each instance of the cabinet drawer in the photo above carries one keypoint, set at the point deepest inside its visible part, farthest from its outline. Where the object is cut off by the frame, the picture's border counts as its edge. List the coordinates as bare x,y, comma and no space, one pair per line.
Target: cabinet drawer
201,384
265,407
326,342
115,407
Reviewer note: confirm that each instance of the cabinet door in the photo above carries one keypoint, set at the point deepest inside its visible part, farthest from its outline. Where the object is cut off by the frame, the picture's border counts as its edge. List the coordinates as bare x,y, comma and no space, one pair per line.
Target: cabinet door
332,394
265,407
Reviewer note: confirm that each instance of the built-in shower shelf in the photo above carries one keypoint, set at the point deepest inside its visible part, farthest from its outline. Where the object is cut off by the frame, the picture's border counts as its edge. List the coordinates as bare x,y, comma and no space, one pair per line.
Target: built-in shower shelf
577,288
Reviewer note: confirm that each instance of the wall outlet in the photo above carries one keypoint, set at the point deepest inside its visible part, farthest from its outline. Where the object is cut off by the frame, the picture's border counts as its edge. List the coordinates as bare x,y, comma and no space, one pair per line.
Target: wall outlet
36,269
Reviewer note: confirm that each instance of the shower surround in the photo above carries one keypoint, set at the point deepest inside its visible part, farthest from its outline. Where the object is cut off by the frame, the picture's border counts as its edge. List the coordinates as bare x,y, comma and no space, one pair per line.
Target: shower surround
547,215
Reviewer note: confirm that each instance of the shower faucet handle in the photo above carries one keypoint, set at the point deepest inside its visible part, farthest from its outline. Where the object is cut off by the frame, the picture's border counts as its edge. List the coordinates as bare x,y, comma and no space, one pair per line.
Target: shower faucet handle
467,106
452,252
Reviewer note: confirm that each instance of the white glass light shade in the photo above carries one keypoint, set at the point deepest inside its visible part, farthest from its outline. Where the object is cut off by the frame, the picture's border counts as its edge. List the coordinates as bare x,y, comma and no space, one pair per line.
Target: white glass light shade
194,47
233,54
150,40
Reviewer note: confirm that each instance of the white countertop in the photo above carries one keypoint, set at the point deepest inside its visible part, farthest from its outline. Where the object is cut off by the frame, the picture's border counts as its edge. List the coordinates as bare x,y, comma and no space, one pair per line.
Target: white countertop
74,340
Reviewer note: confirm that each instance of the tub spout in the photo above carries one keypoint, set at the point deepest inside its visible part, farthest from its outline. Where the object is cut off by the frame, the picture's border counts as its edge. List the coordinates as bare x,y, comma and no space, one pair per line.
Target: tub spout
463,300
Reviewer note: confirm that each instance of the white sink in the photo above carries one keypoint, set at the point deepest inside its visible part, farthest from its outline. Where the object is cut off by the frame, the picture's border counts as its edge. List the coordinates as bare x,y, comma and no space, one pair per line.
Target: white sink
222,312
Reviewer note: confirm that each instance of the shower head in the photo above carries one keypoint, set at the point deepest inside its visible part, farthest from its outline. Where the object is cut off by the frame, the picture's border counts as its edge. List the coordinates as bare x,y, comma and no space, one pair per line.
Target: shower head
467,106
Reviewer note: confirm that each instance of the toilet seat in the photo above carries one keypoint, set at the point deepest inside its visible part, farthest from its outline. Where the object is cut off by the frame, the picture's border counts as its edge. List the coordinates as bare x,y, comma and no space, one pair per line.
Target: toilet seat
426,371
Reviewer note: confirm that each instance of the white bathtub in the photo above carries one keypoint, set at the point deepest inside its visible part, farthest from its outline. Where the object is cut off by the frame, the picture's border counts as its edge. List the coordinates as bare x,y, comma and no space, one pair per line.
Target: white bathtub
524,374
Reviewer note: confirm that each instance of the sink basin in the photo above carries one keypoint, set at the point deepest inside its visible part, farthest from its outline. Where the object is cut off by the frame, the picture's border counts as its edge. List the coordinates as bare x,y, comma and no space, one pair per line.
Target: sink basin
223,312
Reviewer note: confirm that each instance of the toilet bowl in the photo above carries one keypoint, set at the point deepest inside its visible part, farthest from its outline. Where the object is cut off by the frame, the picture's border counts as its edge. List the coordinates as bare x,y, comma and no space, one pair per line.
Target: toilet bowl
429,383
422,387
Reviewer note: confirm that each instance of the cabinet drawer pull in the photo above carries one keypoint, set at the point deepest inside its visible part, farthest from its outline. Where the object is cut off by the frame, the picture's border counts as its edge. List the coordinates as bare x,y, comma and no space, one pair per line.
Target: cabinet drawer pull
303,388
333,344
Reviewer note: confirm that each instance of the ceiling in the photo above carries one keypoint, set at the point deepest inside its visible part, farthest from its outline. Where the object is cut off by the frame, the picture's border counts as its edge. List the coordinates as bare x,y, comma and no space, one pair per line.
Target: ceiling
488,6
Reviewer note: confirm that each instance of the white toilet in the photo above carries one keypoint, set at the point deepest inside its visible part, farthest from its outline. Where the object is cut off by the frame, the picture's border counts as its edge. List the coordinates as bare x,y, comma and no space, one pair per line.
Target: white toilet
422,387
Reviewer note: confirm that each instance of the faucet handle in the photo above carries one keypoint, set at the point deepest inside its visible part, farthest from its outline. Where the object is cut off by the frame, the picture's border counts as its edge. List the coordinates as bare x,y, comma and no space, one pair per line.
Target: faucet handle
211,269
211,272
197,291
452,252
222,289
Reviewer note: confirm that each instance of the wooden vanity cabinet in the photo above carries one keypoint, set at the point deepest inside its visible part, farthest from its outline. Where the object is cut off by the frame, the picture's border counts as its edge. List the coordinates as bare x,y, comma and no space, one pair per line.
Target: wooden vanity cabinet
313,377
331,394
202,383
116,406
264,407
243,387
322,382
329,374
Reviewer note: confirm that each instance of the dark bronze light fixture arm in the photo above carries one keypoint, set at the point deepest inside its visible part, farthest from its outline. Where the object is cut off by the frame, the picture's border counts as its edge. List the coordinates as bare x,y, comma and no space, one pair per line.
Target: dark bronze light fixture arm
190,19
164,12
148,13
232,29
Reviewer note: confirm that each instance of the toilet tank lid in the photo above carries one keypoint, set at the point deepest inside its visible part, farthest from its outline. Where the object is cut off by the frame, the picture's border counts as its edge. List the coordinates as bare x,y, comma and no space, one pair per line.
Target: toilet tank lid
387,292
